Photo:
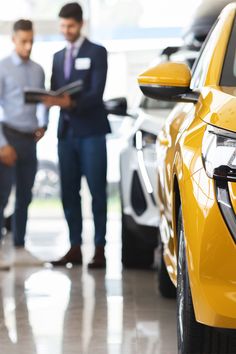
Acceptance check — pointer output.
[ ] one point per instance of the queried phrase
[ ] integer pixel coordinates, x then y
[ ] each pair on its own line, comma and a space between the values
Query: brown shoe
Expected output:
99, 260
73, 256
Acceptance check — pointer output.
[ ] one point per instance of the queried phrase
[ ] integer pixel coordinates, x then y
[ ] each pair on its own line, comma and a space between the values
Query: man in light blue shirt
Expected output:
21, 126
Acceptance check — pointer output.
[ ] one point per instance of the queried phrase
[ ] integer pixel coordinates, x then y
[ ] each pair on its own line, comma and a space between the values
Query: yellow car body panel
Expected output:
219, 107
211, 254
208, 240
210, 248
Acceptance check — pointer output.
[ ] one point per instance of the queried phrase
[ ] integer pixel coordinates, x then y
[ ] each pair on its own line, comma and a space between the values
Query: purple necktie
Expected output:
68, 62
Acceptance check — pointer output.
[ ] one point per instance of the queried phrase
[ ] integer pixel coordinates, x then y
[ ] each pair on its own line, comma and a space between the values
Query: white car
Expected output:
140, 216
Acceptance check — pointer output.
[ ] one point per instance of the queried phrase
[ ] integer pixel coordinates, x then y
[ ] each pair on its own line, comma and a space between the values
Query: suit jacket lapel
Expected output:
83, 49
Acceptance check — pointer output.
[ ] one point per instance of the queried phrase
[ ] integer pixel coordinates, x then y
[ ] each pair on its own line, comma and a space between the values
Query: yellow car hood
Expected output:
217, 106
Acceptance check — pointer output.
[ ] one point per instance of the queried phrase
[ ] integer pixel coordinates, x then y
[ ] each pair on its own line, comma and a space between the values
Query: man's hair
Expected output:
72, 10
23, 25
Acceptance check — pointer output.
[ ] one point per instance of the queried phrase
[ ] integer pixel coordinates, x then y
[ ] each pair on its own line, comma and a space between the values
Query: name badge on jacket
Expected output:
82, 63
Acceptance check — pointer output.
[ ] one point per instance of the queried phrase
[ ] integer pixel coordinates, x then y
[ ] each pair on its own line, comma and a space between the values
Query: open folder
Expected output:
32, 95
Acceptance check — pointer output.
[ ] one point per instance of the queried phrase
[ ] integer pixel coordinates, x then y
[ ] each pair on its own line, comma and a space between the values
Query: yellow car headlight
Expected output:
219, 153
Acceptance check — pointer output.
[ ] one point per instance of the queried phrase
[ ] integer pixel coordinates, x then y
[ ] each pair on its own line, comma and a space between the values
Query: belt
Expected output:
10, 130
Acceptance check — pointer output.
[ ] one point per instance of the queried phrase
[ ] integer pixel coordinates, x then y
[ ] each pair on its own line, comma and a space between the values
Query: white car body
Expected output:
140, 159
138, 183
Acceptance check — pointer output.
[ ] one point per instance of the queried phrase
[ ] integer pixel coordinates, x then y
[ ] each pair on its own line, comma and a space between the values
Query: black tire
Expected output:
193, 337
189, 332
166, 287
135, 252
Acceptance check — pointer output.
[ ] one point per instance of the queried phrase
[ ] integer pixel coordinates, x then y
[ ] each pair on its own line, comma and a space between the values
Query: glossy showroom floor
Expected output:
73, 311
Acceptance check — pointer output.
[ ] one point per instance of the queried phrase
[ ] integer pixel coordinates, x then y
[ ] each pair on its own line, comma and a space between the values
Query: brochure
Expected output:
32, 95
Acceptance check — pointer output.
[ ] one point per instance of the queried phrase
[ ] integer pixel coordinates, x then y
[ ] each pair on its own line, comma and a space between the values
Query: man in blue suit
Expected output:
82, 128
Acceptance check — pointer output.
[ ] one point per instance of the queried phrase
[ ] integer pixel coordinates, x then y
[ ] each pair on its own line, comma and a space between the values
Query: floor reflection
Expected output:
9, 306
89, 303
47, 295
68, 311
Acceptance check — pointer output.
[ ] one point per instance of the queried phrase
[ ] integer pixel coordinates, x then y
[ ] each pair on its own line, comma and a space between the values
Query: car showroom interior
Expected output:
117, 188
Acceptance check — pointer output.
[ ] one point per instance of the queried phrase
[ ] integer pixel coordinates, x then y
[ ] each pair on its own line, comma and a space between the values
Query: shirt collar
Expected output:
17, 60
77, 44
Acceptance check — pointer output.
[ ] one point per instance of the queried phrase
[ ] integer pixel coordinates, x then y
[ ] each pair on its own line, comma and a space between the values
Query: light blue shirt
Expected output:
15, 75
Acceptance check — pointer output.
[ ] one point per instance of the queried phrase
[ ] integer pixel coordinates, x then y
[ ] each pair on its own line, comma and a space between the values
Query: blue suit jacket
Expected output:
89, 116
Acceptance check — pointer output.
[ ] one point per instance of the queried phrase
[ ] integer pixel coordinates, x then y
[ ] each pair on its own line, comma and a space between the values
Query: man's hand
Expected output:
39, 133
63, 101
8, 155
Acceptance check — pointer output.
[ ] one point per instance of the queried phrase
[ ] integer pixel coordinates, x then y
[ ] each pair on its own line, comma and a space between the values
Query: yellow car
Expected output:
196, 153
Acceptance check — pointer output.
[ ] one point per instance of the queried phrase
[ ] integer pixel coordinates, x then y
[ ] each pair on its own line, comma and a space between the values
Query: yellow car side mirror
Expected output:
168, 81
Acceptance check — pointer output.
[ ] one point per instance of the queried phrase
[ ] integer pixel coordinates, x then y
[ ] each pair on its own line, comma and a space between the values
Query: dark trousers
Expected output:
77, 157
22, 175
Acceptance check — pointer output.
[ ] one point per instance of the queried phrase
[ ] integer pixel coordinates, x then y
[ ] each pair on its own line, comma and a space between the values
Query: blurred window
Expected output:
122, 19
201, 65
45, 10
228, 76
